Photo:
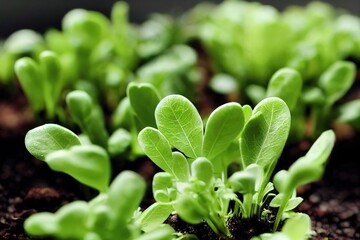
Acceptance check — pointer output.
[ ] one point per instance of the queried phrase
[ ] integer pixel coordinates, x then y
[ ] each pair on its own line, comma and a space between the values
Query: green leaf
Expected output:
256, 93
119, 141
203, 170
181, 167
30, 79
350, 113
181, 124
162, 232
157, 148
41, 224
286, 84
297, 227
224, 84
265, 134
154, 216
222, 127
143, 99
49, 138
70, 215
89, 164
321, 149
163, 187
80, 106
190, 209
247, 111
125, 194
248, 180
337, 80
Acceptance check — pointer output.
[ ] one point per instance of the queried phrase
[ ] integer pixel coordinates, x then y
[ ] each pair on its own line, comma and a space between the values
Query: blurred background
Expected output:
40, 15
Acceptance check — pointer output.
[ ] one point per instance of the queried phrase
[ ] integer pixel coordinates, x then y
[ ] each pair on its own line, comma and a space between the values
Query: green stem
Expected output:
247, 205
281, 210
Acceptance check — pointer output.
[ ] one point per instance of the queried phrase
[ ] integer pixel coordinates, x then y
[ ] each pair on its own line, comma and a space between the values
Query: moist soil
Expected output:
28, 186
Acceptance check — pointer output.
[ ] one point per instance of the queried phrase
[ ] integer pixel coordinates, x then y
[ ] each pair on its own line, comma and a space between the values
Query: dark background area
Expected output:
40, 14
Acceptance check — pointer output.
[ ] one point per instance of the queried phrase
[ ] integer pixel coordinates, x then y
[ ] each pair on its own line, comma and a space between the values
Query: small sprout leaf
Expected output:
125, 194
222, 127
49, 138
162, 232
203, 170
297, 227
29, 76
190, 209
181, 166
265, 134
337, 80
157, 148
247, 110
89, 164
80, 106
155, 215
179, 121
286, 84
321, 149
70, 215
41, 224
119, 141
143, 99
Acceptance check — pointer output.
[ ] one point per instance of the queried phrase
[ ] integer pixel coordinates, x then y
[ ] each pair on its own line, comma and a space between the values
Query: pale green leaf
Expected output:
337, 80
181, 124
265, 134
286, 84
143, 99
154, 216
157, 148
125, 195
49, 138
222, 127
89, 164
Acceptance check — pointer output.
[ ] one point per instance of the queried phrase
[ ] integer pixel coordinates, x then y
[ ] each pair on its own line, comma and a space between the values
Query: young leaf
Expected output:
119, 141
30, 79
203, 170
49, 138
70, 215
140, 93
265, 134
297, 227
89, 164
181, 167
162, 232
350, 113
125, 195
247, 111
190, 209
337, 80
80, 106
157, 148
179, 121
286, 84
154, 216
163, 187
41, 224
222, 127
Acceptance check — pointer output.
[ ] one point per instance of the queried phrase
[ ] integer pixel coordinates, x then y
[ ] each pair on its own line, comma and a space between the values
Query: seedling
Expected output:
113, 213
195, 159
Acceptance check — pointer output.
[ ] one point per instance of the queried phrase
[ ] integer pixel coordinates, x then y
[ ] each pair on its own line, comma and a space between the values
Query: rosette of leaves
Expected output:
195, 159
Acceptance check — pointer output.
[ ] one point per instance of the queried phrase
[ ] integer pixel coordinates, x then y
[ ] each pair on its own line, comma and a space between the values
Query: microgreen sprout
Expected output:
195, 159
113, 213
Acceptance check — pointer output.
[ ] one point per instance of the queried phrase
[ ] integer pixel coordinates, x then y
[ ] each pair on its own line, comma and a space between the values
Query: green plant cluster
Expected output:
114, 91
